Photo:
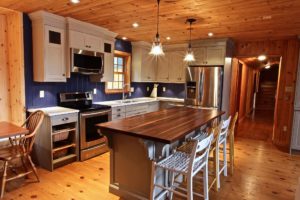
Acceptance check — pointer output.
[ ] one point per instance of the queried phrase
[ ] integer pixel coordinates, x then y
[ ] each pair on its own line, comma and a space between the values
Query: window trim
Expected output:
127, 80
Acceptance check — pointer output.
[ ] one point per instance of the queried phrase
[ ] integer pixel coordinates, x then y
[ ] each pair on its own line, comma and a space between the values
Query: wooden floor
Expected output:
258, 125
261, 172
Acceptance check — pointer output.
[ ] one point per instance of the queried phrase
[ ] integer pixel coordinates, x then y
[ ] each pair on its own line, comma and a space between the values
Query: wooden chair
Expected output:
186, 164
231, 141
219, 141
20, 148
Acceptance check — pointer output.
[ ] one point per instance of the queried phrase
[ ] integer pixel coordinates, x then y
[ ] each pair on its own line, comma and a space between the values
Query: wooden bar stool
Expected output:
186, 164
220, 141
21, 148
231, 141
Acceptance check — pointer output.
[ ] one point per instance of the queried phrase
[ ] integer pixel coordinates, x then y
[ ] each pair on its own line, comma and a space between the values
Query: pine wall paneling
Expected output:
14, 65
288, 49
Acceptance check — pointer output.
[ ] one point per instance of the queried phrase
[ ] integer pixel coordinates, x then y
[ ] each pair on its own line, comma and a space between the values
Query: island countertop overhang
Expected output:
165, 126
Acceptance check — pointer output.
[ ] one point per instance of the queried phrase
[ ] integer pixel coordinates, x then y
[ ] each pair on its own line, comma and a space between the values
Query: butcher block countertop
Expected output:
166, 126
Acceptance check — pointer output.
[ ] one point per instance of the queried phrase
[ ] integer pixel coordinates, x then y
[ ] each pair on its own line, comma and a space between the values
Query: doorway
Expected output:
257, 83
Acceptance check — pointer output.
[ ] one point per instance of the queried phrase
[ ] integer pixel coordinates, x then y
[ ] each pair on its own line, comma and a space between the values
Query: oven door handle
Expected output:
94, 114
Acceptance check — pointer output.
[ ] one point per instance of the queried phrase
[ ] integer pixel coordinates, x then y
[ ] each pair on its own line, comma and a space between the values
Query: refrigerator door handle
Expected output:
201, 87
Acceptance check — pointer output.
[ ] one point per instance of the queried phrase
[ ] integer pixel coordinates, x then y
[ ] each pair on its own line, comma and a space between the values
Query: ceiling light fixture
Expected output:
189, 56
124, 38
156, 48
262, 57
210, 34
75, 1
168, 38
135, 25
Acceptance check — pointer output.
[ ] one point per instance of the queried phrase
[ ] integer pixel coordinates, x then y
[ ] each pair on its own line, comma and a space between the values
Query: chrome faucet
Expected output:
123, 93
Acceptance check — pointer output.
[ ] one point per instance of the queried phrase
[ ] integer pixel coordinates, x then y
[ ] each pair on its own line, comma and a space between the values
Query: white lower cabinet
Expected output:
296, 131
125, 111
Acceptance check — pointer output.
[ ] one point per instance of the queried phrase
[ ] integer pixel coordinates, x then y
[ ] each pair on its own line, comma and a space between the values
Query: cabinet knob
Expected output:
65, 119
64, 74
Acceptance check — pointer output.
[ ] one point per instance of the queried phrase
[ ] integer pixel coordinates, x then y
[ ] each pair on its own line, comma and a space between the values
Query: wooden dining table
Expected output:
8, 129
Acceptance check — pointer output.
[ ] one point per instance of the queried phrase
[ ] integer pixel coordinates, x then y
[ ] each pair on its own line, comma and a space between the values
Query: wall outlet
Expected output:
164, 89
95, 91
42, 94
148, 89
132, 89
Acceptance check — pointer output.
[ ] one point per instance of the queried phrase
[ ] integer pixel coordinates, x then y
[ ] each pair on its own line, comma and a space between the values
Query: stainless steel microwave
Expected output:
87, 62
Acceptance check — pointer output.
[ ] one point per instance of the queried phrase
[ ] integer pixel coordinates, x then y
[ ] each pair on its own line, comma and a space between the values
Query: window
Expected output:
121, 73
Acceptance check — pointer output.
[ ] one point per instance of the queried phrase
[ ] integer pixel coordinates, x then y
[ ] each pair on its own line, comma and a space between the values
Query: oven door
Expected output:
89, 134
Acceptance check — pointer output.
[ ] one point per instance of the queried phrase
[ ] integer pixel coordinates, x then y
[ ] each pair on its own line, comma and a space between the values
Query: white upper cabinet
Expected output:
143, 65
215, 55
163, 68
177, 67
109, 46
210, 55
49, 47
84, 41
170, 67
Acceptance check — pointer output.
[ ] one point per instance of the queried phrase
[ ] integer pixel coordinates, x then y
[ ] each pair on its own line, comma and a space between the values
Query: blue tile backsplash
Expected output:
79, 82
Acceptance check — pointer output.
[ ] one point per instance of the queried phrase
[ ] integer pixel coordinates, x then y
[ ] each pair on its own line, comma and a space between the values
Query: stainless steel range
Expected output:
92, 142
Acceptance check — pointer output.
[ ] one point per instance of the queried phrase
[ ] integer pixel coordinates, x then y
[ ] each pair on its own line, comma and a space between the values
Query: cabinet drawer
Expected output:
118, 116
64, 119
117, 110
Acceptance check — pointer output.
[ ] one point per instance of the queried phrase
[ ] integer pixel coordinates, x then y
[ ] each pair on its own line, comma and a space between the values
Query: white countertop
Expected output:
56, 110
133, 101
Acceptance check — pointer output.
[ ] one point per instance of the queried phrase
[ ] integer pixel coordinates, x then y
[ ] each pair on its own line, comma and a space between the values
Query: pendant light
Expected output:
156, 48
189, 56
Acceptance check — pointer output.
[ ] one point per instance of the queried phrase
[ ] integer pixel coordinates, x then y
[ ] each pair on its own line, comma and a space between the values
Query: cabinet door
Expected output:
93, 43
148, 66
200, 56
163, 68
296, 131
55, 66
215, 55
76, 40
176, 67
108, 75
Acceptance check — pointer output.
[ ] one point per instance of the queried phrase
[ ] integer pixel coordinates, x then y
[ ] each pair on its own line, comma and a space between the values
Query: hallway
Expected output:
257, 126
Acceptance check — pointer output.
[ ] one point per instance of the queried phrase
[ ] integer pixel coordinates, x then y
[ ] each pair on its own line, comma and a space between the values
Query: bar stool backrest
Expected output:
224, 128
200, 153
233, 123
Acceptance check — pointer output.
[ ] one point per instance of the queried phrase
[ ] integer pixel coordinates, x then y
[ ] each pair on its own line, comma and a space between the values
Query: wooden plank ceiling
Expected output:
239, 19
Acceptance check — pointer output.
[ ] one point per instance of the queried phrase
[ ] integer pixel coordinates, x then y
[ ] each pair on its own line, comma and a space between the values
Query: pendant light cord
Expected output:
157, 34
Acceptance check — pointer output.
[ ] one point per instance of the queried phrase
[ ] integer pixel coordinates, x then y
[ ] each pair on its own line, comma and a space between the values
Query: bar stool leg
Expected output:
189, 187
153, 175
172, 176
231, 153
205, 182
225, 158
4, 178
217, 168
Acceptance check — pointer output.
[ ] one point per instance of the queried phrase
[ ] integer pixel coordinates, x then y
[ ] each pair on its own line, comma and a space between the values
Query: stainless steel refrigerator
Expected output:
204, 86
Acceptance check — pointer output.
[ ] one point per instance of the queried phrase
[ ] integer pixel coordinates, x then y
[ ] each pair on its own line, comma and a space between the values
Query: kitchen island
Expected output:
134, 142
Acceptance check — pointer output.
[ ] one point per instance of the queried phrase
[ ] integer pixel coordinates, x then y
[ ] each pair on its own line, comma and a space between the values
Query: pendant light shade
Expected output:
156, 48
189, 56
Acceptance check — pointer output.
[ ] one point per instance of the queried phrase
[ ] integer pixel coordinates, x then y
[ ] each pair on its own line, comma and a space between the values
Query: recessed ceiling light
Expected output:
75, 1
267, 66
135, 25
168, 38
210, 34
262, 57
124, 38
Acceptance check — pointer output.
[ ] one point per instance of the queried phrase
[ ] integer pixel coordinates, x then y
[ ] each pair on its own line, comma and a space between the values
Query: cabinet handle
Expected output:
65, 119
64, 74
118, 115
118, 109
